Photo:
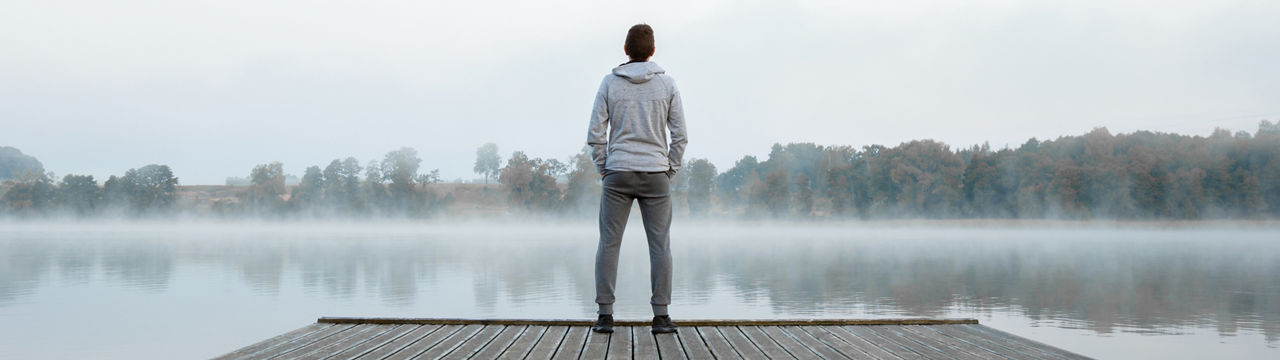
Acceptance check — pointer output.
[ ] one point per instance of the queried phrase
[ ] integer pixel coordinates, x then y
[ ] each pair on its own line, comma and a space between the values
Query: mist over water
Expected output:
172, 290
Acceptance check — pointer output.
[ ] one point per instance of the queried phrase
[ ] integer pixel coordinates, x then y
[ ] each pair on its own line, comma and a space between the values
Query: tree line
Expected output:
1097, 175
393, 186
1140, 175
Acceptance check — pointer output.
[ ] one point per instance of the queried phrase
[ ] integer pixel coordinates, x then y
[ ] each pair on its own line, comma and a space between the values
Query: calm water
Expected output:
199, 290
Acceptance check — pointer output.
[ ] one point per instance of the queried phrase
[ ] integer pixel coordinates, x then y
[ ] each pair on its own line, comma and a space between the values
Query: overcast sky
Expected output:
213, 88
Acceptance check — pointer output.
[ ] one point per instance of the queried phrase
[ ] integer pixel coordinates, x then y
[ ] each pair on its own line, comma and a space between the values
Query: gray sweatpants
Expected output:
653, 191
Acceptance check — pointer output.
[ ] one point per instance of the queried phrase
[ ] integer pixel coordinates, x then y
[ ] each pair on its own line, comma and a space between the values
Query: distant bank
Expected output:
1140, 176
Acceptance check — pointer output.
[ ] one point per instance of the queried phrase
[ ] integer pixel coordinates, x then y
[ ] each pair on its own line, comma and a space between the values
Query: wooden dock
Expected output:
389, 338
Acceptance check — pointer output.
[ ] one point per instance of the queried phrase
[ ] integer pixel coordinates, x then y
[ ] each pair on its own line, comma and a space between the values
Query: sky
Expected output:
213, 88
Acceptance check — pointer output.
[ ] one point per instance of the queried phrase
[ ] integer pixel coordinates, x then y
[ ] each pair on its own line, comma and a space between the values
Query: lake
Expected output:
196, 290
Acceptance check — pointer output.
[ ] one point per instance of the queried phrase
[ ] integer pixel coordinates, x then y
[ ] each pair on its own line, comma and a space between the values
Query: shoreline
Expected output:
553, 222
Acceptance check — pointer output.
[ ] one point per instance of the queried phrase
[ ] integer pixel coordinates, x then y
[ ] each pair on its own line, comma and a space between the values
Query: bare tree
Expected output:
487, 161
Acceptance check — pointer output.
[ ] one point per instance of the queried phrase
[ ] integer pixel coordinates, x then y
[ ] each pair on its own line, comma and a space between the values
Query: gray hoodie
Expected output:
634, 108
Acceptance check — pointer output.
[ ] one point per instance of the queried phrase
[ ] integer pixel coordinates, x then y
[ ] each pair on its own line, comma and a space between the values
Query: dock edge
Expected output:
692, 322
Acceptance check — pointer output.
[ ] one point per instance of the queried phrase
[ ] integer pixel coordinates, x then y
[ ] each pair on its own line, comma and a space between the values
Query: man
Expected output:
634, 108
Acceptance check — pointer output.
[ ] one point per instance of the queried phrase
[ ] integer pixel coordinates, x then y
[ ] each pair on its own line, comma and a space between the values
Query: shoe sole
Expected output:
603, 331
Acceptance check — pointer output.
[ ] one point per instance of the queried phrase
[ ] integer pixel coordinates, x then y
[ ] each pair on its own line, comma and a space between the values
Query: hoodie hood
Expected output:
638, 72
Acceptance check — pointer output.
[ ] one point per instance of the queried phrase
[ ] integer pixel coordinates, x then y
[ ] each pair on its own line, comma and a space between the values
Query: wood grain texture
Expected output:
766, 344
1046, 348
950, 346
740, 342
471, 346
498, 344
893, 334
335, 344
646, 345
596, 347
694, 347
386, 339
547, 345
377, 341
981, 342
436, 349
821, 342
620, 343
870, 349
873, 336
274, 341
720, 347
299, 342
571, 346
669, 347
795, 347
1018, 344
425, 333
520, 347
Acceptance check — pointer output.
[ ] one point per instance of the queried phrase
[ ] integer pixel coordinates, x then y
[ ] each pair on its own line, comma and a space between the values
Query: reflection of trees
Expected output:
22, 267
75, 264
138, 265
1096, 279
262, 270
1102, 283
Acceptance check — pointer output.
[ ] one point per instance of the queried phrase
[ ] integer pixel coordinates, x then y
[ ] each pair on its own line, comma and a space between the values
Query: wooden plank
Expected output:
766, 345
523, 343
894, 334
982, 342
1046, 348
872, 350
961, 341
740, 342
823, 343
715, 341
646, 346
377, 341
870, 334
597, 345
425, 333
298, 343
547, 345
669, 347
694, 347
1002, 345
932, 342
275, 341
702, 322
343, 338
1019, 344
475, 343
959, 349
791, 344
620, 343
499, 343
334, 344
436, 349
571, 346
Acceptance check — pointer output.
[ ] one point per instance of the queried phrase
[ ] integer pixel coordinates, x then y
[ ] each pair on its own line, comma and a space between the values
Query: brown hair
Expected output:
639, 45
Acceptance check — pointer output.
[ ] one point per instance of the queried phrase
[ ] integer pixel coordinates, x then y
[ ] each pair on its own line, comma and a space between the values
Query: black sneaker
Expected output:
662, 325
604, 324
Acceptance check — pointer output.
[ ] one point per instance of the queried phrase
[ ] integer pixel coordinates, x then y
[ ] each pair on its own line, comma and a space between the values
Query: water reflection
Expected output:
1098, 279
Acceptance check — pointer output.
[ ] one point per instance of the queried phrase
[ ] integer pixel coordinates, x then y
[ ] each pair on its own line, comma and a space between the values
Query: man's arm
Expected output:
598, 131
675, 123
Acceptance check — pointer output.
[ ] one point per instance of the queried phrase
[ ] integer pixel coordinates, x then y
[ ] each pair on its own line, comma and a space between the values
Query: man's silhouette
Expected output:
635, 107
